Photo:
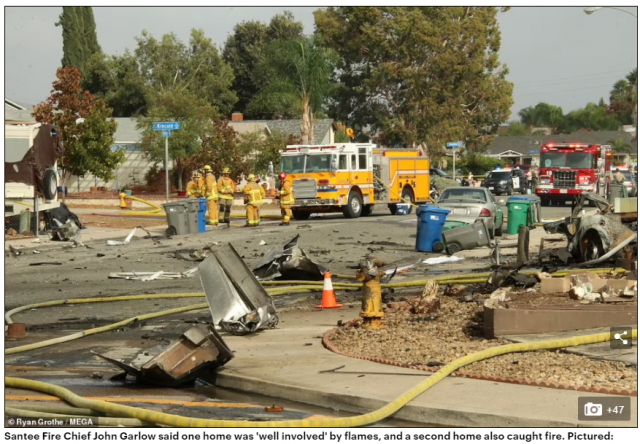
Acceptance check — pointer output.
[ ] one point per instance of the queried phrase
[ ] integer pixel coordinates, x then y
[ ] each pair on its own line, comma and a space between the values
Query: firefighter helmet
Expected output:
226, 170
282, 176
251, 177
207, 168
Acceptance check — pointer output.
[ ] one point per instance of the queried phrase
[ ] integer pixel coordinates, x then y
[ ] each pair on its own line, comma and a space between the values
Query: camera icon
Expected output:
591, 409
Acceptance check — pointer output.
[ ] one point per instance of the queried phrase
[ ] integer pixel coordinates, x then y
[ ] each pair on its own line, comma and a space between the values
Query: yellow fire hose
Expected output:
310, 286
122, 411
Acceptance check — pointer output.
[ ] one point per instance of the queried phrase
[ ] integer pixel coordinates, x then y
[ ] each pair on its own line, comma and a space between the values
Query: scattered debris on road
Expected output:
238, 303
289, 262
152, 276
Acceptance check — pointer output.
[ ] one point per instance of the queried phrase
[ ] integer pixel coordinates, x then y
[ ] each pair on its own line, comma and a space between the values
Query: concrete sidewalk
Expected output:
286, 363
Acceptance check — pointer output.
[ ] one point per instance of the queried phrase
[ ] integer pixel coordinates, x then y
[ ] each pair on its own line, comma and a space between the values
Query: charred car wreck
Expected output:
593, 239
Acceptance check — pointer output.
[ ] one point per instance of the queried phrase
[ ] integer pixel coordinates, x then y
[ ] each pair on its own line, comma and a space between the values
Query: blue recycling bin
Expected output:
202, 215
430, 223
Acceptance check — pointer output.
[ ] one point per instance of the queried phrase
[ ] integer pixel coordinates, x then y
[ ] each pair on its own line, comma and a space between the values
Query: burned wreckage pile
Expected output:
594, 239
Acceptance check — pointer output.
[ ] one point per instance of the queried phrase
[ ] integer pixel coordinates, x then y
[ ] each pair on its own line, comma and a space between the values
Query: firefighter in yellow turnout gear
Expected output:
225, 196
193, 188
253, 199
286, 198
210, 192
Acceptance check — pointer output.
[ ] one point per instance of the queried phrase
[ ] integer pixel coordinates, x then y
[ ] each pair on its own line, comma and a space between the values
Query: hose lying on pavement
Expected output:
354, 421
272, 292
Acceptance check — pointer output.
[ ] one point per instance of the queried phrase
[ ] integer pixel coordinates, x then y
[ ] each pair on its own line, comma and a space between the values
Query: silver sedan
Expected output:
469, 204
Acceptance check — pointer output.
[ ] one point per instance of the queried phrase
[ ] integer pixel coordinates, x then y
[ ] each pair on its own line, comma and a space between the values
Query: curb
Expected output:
429, 416
326, 341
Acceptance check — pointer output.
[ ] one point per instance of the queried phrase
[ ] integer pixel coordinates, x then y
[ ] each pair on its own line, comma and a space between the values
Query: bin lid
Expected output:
432, 209
527, 198
176, 203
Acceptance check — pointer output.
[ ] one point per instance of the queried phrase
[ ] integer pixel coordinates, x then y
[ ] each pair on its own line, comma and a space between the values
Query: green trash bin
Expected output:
520, 213
448, 225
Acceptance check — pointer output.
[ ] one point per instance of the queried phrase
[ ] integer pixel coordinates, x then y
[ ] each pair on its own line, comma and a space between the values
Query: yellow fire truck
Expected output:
352, 177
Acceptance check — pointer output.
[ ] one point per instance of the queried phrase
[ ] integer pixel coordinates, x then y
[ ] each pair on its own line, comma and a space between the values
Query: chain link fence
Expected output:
21, 222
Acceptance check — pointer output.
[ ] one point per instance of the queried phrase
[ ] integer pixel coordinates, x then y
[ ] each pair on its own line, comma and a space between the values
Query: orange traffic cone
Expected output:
328, 295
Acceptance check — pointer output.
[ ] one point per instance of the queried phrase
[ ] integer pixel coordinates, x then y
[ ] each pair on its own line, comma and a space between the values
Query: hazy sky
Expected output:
557, 55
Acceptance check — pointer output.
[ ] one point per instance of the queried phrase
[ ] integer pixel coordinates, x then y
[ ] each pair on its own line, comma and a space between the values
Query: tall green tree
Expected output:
299, 73
79, 38
196, 117
516, 129
86, 127
592, 118
623, 99
133, 82
419, 74
118, 81
542, 115
244, 51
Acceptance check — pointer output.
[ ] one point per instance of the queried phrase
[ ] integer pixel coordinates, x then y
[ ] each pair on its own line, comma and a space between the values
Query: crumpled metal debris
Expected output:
593, 238
67, 232
195, 255
238, 303
200, 349
152, 276
289, 262
504, 276
114, 243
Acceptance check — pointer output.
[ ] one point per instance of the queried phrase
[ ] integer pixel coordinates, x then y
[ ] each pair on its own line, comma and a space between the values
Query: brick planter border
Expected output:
326, 341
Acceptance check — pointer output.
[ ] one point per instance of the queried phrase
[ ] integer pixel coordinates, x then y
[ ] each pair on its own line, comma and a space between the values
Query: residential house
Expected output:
324, 129
133, 170
17, 114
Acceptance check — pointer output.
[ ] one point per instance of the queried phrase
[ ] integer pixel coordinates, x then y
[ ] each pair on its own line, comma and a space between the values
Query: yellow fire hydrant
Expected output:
369, 274
123, 202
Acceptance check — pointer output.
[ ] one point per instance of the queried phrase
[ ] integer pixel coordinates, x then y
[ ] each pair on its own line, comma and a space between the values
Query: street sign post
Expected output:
453, 146
166, 128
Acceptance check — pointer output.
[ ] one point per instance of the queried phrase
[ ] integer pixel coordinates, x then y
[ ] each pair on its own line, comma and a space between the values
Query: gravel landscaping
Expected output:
456, 331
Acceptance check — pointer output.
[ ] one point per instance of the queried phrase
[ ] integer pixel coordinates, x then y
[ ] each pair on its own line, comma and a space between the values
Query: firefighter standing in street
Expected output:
225, 196
286, 198
263, 196
253, 200
193, 188
210, 192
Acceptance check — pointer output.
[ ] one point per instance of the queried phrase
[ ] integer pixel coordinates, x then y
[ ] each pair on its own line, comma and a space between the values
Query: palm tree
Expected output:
299, 75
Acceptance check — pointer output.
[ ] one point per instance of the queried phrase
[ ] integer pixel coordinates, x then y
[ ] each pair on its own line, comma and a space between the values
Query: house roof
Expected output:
531, 144
126, 132
13, 115
321, 127
249, 126
16, 105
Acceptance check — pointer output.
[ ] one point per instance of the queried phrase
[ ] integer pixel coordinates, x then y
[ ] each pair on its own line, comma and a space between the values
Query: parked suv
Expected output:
506, 181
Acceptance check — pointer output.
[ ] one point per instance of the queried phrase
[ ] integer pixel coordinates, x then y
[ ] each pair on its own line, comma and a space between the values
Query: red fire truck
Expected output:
568, 169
